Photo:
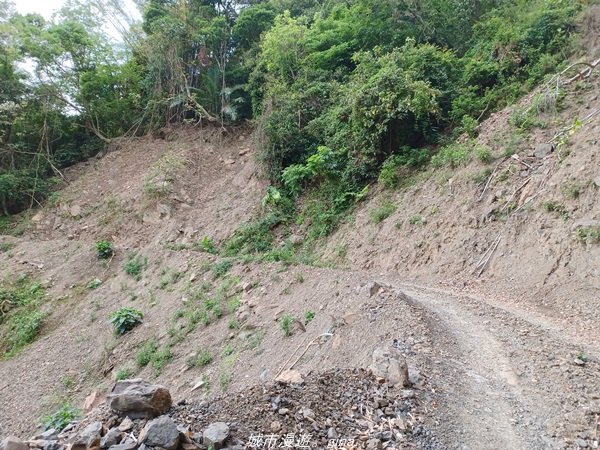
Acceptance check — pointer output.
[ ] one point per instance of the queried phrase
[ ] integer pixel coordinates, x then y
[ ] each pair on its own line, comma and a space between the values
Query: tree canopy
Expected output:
335, 87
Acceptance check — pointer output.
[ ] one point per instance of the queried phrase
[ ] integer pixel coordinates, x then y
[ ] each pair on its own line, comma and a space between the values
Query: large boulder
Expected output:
139, 399
161, 432
215, 435
389, 363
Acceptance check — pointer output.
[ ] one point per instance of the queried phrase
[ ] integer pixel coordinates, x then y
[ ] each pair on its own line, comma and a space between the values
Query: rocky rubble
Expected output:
350, 408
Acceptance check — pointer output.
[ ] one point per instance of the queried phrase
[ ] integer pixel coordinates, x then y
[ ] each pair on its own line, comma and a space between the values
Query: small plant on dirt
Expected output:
62, 417
233, 324
385, 209
94, 283
228, 350
146, 352
415, 219
286, 323
151, 353
135, 265
104, 249
571, 190
554, 207
6, 246
483, 154
224, 380
589, 234
255, 340
299, 278
206, 244
168, 278
482, 176
124, 374
308, 316
204, 358
125, 319
160, 360
220, 268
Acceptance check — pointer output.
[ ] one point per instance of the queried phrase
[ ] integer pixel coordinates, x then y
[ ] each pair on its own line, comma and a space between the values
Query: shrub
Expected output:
62, 417
104, 249
483, 154
204, 358
125, 319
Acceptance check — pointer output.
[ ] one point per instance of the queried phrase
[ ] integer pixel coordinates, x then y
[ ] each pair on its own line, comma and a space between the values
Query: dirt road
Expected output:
508, 379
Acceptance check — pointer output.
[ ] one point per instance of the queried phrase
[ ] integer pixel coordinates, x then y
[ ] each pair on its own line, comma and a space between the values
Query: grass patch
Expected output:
21, 318
589, 234
151, 353
415, 219
60, 418
385, 209
6, 246
220, 268
286, 323
124, 373
135, 265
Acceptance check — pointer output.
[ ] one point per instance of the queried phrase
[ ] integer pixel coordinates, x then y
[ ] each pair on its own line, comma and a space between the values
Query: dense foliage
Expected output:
339, 90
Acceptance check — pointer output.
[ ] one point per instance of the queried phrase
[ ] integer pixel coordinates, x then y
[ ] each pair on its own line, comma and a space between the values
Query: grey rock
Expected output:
48, 435
127, 446
597, 182
13, 443
332, 434
126, 425
139, 399
373, 288
89, 437
389, 363
373, 444
542, 150
113, 437
53, 445
160, 432
581, 443
215, 434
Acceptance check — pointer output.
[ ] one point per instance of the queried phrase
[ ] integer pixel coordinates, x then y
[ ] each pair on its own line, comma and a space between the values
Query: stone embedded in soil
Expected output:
92, 401
215, 434
161, 432
389, 363
290, 376
139, 399
13, 443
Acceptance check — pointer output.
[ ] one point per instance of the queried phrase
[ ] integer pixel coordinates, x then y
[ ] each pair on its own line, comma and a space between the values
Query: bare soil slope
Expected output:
508, 359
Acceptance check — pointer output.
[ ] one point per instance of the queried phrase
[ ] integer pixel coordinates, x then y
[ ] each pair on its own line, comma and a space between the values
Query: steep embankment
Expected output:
532, 203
